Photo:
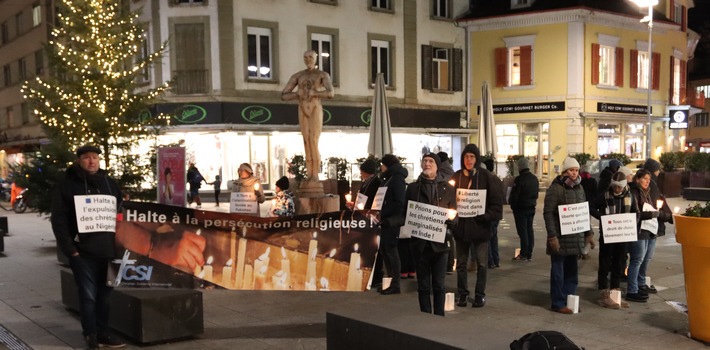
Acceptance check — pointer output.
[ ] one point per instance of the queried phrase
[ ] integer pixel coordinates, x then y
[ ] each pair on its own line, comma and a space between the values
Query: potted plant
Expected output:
669, 179
698, 164
582, 158
623, 158
297, 170
692, 234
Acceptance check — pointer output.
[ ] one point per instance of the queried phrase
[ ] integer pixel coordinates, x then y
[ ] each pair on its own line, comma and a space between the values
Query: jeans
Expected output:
390, 256
431, 273
462, 251
640, 253
524, 226
493, 256
90, 278
563, 279
611, 257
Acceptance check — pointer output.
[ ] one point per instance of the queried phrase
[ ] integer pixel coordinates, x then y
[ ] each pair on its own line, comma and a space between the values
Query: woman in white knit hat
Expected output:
563, 250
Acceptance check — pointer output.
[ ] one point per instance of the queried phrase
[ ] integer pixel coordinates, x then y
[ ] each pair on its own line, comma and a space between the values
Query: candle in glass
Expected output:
659, 204
348, 197
312, 251
227, 274
241, 256
256, 187
207, 271
286, 268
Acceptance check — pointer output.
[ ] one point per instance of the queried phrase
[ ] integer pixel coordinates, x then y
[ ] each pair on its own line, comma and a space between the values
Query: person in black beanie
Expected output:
446, 170
368, 185
392, 218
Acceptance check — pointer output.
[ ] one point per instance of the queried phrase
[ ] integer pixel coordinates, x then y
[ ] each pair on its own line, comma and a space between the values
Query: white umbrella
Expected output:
380, 130
487, 123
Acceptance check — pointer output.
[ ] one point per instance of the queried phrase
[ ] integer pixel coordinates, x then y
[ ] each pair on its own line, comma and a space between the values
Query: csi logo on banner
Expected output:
128, 271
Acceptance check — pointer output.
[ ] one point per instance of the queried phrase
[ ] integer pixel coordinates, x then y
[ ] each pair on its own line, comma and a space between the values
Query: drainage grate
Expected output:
10, 341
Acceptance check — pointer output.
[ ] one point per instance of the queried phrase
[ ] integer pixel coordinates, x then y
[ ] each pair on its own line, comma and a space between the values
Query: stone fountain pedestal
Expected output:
311, 199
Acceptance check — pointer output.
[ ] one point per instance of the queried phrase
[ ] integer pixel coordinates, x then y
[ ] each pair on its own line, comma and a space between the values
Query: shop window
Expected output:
607, 65
39, 62
701, 119
442, 68
518, 4
323, 45
190, 72
609, 139
381, 5
259, 53
678, 81
36, 15
639, 65
441, 8
381, 61
634, 140
514, 63
7, 75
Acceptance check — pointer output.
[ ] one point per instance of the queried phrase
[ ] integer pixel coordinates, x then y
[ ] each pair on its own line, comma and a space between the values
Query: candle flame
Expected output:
332, 253
209, 260
356, 246
452, 182
361, 206
198, 232
451, 214
659, 203
283, 252
265, 256
229, 263
256, 187
324, 282
676, 210
315, 235
348, 197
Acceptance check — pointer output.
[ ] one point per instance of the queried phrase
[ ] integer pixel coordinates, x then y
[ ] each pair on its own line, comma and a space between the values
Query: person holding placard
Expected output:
606, 207
370, 182
479, 203
565, 244
283, 205
431, 256
605, 175
84, 210
523, 199
392, 217
248, 183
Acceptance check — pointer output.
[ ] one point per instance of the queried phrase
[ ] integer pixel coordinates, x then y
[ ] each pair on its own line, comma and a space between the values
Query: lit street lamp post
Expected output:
649, 20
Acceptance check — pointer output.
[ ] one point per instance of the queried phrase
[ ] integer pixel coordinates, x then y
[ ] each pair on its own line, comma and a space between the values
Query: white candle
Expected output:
227, 274
312, 251
207, 270
248, 273
198, 268
278, 280
286, 268
233, 246
324, 284
354, 272
241, 257
449, 302
328, 265
348, 197
311, 285
261, 263
260, 278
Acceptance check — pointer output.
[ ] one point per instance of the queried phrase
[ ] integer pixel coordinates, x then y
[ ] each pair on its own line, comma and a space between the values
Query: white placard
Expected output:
650, 225
470, 203
573, 303
243, 203
379, 198
425, 221
95, 213
574, 218
360, 201
618, 228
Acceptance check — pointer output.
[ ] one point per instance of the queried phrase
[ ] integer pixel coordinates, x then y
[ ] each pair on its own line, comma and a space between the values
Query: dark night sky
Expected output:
699, 21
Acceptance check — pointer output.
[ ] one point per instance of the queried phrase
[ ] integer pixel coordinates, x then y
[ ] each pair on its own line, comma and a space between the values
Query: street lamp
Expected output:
648, 19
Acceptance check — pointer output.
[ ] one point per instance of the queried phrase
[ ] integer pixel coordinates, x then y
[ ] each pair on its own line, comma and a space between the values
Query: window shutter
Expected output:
670, 86
683, 19
671, 13
426, 66
633, 69
596, 58
526, 65
501, 66
656, 71
683, 81
457, 70
619, 69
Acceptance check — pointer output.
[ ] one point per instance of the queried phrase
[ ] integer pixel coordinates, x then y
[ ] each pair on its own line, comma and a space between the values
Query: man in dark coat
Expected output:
564, 249
431, 257
605, 176
475, 231
89, 247
392, 217
523, 199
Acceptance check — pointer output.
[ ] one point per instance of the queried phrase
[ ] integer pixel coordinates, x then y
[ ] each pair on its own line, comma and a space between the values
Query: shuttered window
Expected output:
442, 68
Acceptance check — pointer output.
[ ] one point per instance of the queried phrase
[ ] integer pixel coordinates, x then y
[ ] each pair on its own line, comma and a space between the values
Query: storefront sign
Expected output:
425, 221
574, 218
620, 108
619, 228
557, 106
470, 203
678, 119
256, 114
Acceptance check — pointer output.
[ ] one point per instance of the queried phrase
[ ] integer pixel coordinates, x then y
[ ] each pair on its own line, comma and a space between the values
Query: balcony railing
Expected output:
190, 81
695, 99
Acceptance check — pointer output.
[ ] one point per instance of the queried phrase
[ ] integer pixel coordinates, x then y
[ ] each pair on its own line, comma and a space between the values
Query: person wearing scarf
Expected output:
563, 250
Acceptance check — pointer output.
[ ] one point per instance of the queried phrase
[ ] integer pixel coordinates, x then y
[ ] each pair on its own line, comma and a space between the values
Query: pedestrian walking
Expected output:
523, 200
195, 179
217, 185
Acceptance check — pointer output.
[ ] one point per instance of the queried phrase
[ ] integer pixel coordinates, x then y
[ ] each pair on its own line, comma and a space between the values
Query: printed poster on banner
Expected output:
243, 203
326, 252
171, 176
574, 218
425, 221
470, 203
379, 198
650, 225
360, 201
619, 228
95, 213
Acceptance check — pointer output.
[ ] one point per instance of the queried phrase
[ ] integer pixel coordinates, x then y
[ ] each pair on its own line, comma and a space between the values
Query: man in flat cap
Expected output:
83, 220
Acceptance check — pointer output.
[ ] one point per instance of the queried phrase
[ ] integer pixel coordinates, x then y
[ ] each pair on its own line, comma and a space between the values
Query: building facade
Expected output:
572, 78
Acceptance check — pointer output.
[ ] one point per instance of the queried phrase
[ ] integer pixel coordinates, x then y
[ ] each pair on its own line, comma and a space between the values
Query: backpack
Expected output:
544, 340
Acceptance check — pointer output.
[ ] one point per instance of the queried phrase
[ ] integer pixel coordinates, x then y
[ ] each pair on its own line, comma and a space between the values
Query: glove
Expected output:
590, 241
554, 244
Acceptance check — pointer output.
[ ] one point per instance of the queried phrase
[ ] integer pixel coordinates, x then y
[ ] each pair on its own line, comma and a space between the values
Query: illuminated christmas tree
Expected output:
97, 57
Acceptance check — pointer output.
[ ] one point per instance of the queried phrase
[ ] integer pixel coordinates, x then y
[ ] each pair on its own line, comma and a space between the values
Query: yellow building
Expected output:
571, 78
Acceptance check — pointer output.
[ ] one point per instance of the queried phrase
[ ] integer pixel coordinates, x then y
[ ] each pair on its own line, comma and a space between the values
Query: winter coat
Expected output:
446, 170
604, 180
247, 185
64, 221
434, 192
526, 188
394, 204
560, 194
478, 229
369, 188
664, 214
283, 205
194, 178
